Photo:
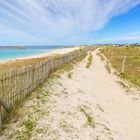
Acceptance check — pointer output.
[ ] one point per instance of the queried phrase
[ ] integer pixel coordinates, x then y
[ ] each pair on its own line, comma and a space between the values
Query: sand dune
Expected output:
90, 105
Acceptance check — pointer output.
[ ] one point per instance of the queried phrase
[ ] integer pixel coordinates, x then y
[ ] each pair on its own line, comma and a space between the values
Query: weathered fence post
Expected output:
52, 65
17, 83
123, 64
0, 117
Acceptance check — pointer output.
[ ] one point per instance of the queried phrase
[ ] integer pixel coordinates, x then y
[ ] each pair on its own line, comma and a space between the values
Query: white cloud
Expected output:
55, 19
123, 38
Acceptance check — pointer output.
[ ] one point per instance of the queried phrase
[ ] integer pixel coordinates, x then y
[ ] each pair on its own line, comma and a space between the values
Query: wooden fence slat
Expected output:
15, 84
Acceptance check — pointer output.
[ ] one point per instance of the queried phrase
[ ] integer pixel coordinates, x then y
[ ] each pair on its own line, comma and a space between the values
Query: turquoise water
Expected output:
11, 53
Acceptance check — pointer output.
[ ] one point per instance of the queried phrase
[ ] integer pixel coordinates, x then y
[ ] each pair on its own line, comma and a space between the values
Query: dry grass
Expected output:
132, 64
90, 59
70, 75
20, 63
90, 120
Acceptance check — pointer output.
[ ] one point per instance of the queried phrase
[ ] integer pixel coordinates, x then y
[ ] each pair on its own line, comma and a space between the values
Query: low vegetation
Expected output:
70, 75
90, 58
20, 63
79, 59
131, 70
25, 132
90, 120
108, 67
29, 124
68, 67
25, 62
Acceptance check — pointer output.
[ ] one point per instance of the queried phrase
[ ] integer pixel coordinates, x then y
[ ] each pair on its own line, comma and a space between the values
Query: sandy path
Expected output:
88, 106
122, 112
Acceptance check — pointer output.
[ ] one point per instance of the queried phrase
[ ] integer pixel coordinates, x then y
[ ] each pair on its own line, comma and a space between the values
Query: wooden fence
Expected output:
15, 84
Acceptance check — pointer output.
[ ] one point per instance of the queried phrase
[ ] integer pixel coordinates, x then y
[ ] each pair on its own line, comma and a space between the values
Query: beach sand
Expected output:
45, 54
33, 59
89, 105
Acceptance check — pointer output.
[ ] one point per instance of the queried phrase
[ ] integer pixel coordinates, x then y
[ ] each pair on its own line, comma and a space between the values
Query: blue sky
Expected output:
69, 22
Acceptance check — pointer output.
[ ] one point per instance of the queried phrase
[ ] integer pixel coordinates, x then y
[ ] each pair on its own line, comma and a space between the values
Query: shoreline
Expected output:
40, 55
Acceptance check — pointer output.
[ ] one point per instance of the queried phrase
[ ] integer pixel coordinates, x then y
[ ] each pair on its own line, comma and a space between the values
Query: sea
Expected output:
7, 53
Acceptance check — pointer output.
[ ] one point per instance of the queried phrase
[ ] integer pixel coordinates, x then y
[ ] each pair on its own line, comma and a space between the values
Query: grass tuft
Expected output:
70, 75
90, 119
26, 131
90, 58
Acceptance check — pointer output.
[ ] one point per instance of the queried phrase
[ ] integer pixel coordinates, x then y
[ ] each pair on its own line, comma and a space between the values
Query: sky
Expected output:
69, 22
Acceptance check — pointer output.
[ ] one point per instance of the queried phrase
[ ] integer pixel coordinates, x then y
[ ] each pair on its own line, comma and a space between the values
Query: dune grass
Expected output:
70, 75
90, 119
132, 64
90, 59
21, 62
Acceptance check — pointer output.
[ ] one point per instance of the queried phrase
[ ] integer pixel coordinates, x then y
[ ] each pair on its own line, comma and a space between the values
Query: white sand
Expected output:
45, 54
59, 116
